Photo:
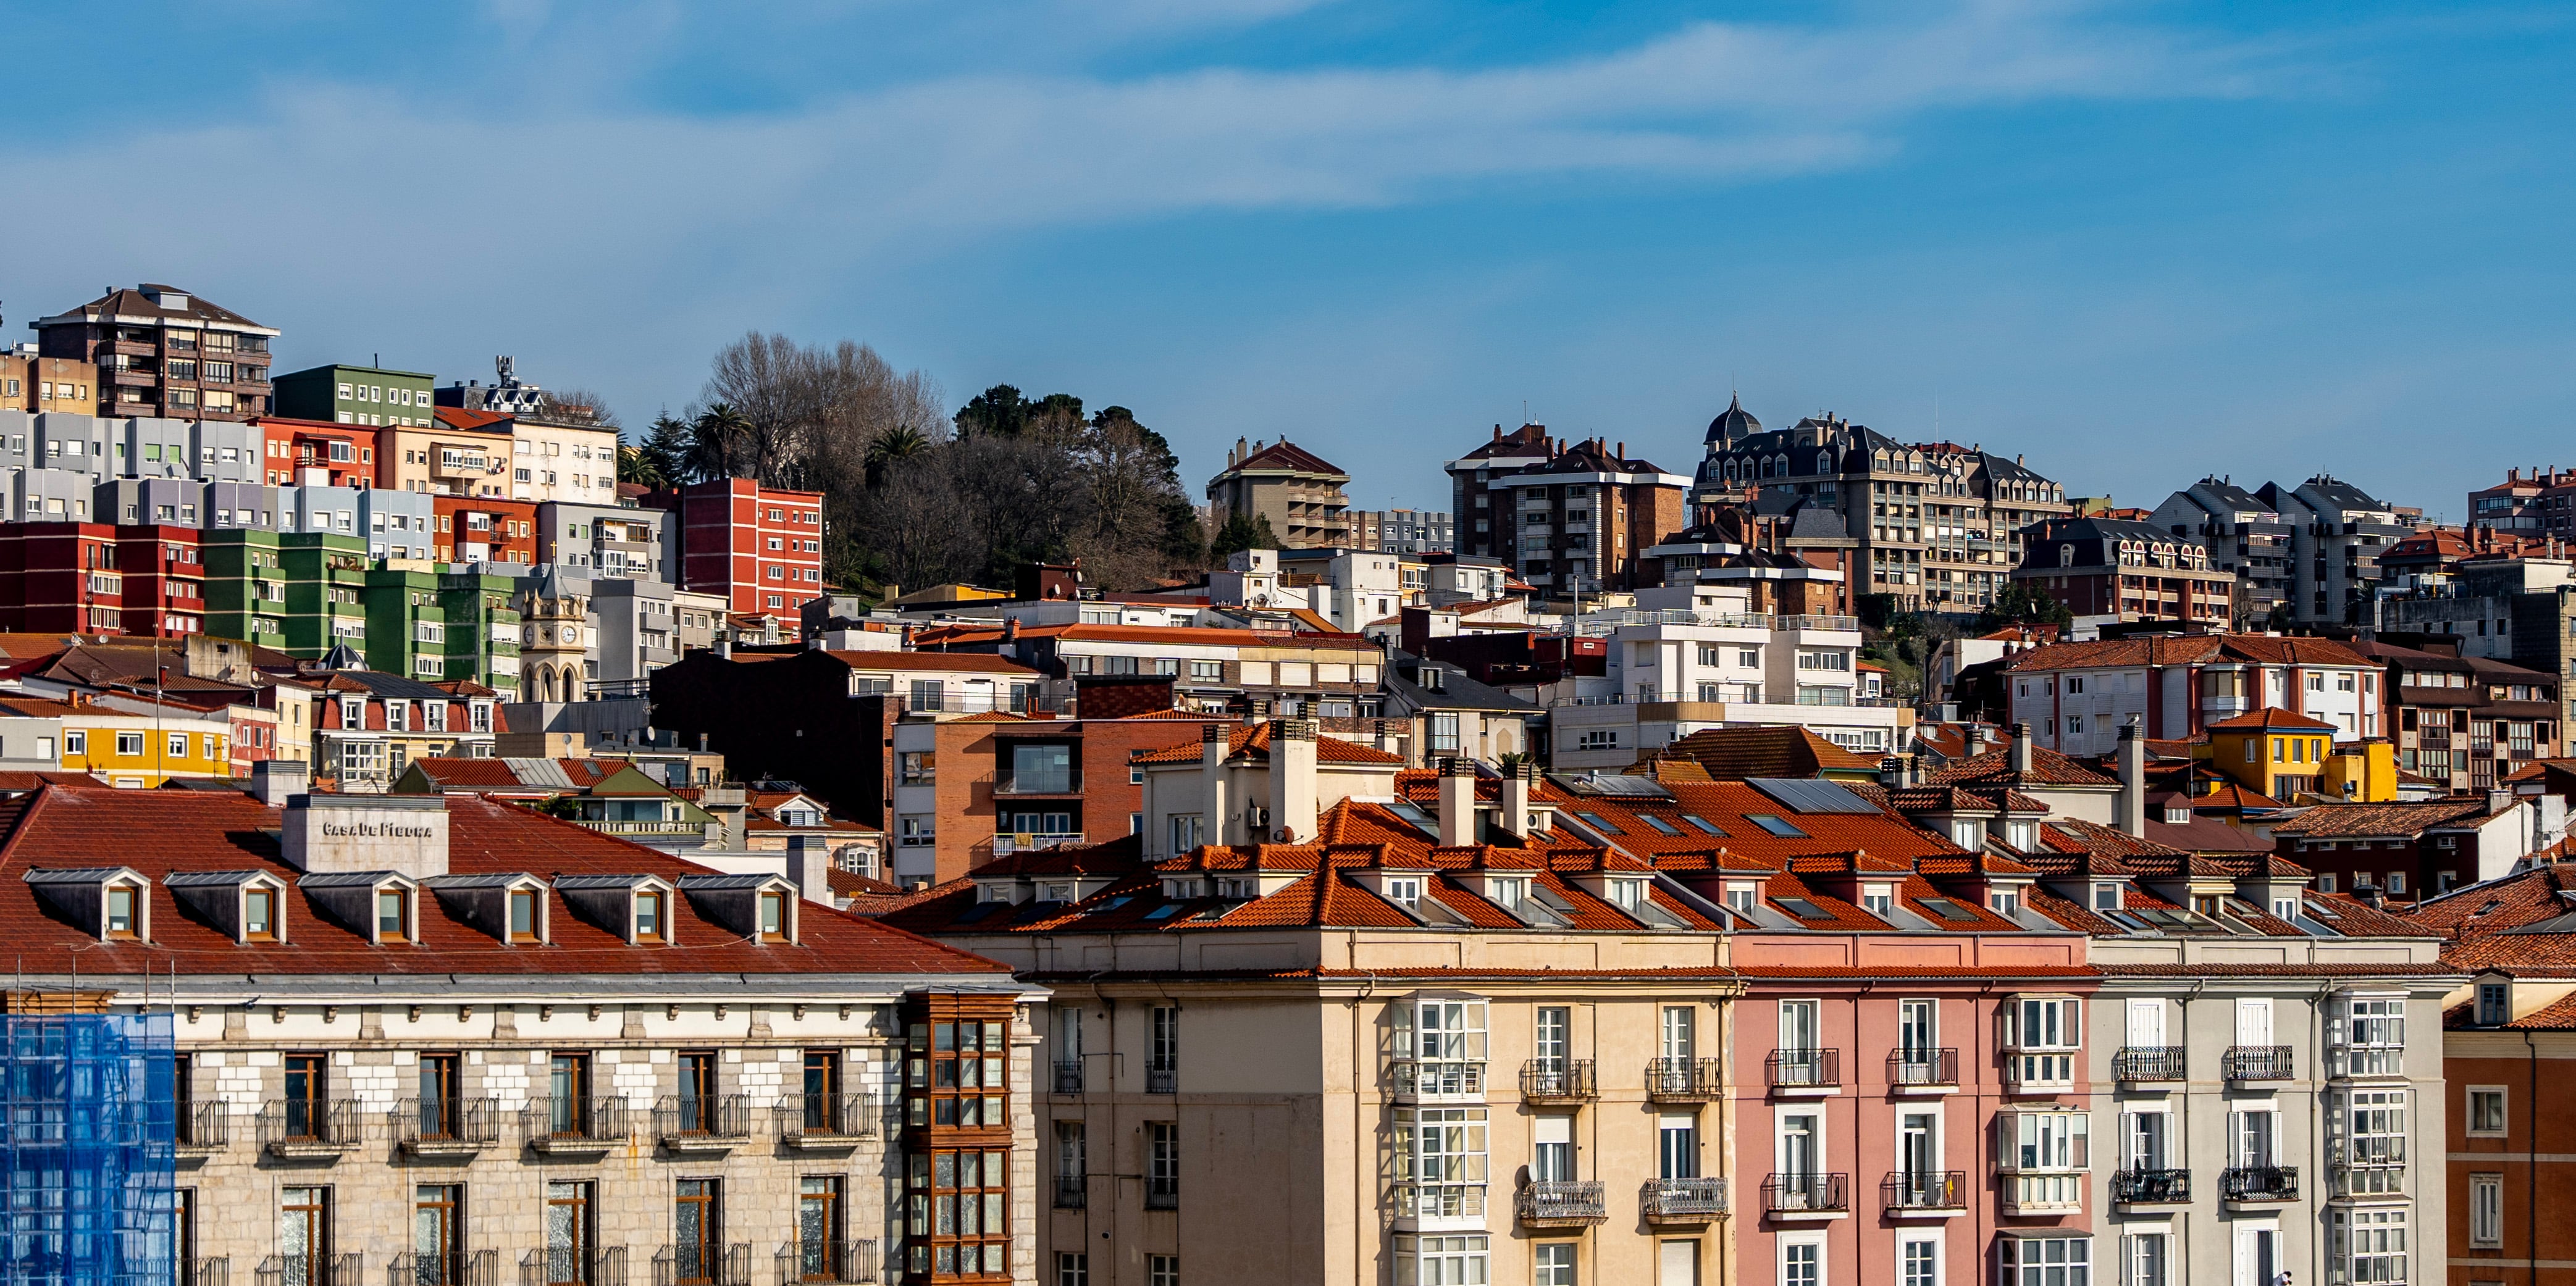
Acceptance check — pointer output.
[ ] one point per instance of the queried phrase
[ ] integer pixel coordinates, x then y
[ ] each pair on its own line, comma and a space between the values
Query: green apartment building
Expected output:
482, 630
356, 395
326, 590
436, 625
245, 586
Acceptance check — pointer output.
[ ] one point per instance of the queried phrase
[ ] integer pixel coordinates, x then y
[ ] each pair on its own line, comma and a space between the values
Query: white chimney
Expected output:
2133, 781
1457, 802
2020, 754
1292, 780
1516, 798
1215, 821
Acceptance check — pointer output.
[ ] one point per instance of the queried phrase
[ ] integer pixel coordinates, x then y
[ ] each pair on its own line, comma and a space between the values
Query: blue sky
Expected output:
2133, 241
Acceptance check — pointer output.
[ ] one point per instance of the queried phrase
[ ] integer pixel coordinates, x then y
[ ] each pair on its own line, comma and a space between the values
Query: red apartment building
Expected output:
91, 578
346, 453
760, 547
485, 529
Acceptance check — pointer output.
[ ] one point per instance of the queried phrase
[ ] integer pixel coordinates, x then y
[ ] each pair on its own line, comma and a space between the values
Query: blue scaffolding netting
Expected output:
88, 1139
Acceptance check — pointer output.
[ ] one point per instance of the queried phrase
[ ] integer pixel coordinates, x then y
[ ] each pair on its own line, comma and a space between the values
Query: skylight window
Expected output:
1660, 824
1802, 908
1774, 825
1596, 822
1164, 912
1947, 909
1703, 824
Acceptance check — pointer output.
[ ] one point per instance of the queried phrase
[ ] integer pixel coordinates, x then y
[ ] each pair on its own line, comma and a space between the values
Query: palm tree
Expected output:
640, 467
892, 447
717, 442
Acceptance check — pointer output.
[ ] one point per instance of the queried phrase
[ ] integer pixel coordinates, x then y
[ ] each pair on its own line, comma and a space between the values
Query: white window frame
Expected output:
2469, 1111
2486, 1212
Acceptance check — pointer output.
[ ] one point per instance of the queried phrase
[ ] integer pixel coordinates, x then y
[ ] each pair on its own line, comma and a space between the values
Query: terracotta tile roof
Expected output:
2199, 649
2333, 821
2271, 717
63, 827
459, 418
1734, 754
969, 662
1252, 743
1994, 767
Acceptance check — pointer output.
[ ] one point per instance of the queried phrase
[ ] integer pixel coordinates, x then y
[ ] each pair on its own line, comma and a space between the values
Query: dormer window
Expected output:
2005, 902
1059, 893
1878, 899
773, 917
523, 915
1627, 894
2495, 1003
650, 925
393, 915
259, 915
1740, 898
1509, 894
2021, 833
122, 915
1404, 890
353, 712
2106, 897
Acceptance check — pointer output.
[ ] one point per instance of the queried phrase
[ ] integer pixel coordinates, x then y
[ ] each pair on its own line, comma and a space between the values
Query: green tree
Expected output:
2022, 603
665, 451
639, 469
1242, 531
892, 448
719, 444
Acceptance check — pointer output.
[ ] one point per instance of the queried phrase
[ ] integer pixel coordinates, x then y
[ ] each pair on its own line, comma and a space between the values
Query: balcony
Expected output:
1558, 1081
1684, 1080
2361, 1062
2038, 1071
1162, 1192
300, 1129
1166, 1079
1440, 1205
688, 1123
1039, 783
2371, 1166
455, 1268
833, 1260
1800, 1072
575, 1126
1009, 842
2142, 1064
1072, 1192
1068, 1076
1682, 1201
1824, 624
1924, 1194
216, 1270
826, 1122
2243, 1063
703, 1265
1411, 1081
592, 1266
447, 1127
2259, 1184
313, 1270
1923, 1071
204, 1128
1806, 1196
1561, 1203
2150, 1187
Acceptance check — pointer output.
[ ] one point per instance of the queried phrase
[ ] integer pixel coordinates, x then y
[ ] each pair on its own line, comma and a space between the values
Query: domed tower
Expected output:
555, 636
1733, 425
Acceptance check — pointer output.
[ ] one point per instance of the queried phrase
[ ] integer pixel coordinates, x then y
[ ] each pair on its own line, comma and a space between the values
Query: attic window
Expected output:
1703, 824
1739, 898
649, 921
1802, 908
393, 915
2495, 1003
2005, 901
1164, 912
1776, 826
1947, 909
1878, 899
259, 915
1627, 894
122, 900
1660, 824
773, 917
2106, 897
1596, 822
1511, 893
1404, 890
523, 915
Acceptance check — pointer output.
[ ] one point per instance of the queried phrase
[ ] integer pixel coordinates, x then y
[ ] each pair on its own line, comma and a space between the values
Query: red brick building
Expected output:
345, 453
2111, 567
760, 547
484, 529
91, 578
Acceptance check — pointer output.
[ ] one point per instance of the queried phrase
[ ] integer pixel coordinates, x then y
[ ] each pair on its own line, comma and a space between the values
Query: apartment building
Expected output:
317, 453
2077, 695
2506, 1031
1938, 524
967, 790
481, 529
37, 384
452, 1039
1299, 492
2241, 535
1419, 1057
367, 395
1581, 521
1212, 670
761, 548
2337, 533
449, 451
1403, 531
1789, 558
2465, 722
2503, 606
2112, 571
2414, 850
1697, 657
93, 578
161, 351
1479, 531
129, 742
369, 726
605, 539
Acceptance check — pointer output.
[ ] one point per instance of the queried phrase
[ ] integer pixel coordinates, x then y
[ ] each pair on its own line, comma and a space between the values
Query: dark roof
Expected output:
134, 302
1457, 690
1284, 454
1733, 422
